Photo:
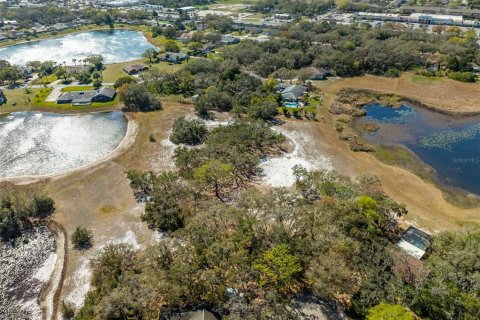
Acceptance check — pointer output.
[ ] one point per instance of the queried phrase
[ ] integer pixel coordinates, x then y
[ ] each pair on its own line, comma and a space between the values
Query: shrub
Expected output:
385, 311
136, 97
97, 84
152, 138
189, 132
68, 310
124, 80
82, 238
393, 73
462, 76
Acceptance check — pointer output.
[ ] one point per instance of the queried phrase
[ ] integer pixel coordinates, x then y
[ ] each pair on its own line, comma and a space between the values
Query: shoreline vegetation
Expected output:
396, 155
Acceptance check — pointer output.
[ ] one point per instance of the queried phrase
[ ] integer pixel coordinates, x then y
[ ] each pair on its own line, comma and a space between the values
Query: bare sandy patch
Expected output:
278, 171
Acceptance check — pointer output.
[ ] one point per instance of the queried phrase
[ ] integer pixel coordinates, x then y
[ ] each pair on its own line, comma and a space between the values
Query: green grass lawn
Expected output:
426, 79
45, 80
18, 99
167, 67
38, 100
77, 88
114, 71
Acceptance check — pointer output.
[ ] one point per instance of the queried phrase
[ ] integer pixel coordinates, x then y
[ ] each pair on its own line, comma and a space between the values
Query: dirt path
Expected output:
49, 301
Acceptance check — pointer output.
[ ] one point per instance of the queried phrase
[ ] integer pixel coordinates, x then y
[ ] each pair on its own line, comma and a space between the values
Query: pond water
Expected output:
115, 46
33, 143
448, 144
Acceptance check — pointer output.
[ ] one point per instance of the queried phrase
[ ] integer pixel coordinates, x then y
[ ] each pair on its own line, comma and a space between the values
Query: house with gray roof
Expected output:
229, 40
78, 98
292, 93
79, 68
175, 57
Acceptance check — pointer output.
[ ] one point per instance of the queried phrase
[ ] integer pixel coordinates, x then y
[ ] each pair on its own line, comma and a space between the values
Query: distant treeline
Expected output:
357, 49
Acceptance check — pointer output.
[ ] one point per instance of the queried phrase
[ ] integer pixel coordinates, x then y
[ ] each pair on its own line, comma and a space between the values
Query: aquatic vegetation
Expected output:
388, 114
445, 139
450, 146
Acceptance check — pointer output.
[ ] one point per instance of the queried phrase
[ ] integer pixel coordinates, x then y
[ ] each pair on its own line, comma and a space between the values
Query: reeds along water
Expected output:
450, 145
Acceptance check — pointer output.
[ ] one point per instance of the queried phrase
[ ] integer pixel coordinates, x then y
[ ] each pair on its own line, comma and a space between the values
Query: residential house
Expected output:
3, 99
320, 74
87, 97
187, 9
185, 37
12, 34
291, 93
207, 48
79, 68
415, 242
134, 69
175, 57
60, 26
282, 16
229, 40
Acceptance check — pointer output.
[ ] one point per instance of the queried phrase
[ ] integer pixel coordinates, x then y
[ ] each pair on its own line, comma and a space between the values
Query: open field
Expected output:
114, 71
442, 94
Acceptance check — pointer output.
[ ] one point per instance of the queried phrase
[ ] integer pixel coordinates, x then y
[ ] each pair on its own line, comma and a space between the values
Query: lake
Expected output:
115, 46
450, 145
34, 143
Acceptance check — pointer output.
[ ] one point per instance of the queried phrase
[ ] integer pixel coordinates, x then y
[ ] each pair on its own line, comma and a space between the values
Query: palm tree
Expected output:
74, 61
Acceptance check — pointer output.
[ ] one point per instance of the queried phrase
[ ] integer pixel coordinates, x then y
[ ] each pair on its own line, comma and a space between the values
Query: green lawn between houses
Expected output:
114, 71
39, 100
77, 88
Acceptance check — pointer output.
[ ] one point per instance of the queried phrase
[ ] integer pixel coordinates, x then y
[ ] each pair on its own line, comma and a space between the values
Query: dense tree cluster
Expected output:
298, 7
245, 253
136, 97
220, 86
188, 131
20, 212
51, 14
355, 50
180, 3
247, 258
